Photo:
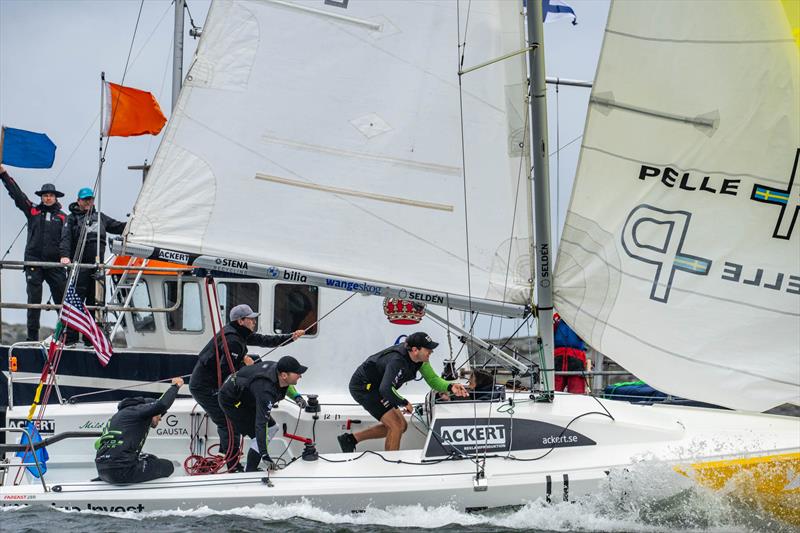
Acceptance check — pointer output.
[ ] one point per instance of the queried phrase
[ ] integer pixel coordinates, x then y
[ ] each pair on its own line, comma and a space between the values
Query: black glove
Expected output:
267, 461
300, 401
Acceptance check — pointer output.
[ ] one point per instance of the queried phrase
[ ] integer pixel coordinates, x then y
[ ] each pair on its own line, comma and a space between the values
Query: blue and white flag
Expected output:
553, 10
26, 149
27, 455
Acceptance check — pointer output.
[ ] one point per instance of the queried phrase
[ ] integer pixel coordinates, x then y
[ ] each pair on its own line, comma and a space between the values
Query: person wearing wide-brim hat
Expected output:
45, 223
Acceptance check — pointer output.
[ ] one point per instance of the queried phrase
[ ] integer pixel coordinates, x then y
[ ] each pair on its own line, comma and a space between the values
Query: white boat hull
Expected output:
667, 439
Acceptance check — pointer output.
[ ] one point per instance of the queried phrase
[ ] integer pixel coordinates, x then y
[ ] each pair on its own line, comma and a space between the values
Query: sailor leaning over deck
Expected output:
248, 396
212, 368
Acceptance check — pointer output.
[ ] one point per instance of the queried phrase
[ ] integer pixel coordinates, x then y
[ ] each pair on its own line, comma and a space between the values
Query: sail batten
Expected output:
680, 256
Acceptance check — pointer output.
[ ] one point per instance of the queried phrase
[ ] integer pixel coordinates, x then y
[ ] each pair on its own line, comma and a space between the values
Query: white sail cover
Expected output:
326, 135
680, 257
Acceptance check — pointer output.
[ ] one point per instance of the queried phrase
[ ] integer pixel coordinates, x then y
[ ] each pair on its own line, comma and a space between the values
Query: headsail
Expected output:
680, 257
326, 136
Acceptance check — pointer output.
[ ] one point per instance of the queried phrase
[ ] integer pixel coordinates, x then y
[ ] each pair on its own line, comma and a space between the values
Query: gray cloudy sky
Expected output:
51, 56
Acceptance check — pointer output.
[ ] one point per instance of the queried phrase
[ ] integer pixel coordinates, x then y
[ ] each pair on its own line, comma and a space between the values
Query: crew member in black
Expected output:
374, 385
248, 396
206, 376
45, 222
82, 214
119, 459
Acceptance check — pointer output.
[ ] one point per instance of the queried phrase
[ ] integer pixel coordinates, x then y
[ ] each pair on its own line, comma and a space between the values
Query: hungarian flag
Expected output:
129, 112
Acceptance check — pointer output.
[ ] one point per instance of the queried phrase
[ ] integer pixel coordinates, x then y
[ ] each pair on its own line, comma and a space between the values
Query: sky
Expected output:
53, 51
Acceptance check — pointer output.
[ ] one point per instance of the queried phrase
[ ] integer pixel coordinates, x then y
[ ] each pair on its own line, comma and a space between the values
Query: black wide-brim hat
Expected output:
49, 188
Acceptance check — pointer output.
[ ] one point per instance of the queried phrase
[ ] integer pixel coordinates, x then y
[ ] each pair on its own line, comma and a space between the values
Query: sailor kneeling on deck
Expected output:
374, 385
248, 396
119, 459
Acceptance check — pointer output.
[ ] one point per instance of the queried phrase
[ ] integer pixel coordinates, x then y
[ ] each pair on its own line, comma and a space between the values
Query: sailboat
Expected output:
383, 148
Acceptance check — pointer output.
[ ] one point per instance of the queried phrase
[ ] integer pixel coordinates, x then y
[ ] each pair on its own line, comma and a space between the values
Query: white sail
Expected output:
326, 135
680, 256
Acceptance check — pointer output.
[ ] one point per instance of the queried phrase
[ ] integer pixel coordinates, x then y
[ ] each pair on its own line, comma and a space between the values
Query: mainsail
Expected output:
327, 136
679, 257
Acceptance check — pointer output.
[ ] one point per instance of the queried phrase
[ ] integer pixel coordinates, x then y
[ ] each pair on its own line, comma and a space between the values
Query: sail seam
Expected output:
442, 169
721, 172
698, 41
357, 194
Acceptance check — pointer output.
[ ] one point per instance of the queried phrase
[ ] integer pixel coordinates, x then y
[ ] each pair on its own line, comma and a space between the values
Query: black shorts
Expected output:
369, 399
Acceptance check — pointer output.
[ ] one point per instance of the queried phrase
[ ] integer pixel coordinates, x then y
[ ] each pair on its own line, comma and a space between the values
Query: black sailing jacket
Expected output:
124, 434
45, 223
70, 236
237, 337
256, 387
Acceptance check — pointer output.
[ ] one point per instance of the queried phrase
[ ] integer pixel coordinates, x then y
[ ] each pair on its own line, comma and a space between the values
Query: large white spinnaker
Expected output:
680, 257
327, 136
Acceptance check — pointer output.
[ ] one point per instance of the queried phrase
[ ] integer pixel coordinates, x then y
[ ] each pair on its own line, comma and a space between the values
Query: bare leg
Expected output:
377, 431
395, 425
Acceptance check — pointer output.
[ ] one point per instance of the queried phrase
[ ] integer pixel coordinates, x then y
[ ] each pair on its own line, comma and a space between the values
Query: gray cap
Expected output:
242, 311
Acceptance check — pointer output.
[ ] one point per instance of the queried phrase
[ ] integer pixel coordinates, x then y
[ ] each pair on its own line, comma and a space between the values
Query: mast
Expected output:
177, 52
541, 191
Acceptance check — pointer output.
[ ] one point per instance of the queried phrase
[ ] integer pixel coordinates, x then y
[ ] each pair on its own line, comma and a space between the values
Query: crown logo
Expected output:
403, 312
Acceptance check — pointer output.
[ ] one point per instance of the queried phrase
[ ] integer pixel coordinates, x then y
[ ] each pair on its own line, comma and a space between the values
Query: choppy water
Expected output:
637, 500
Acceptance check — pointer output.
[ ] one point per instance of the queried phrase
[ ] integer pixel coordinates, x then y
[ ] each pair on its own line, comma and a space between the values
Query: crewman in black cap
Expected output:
119, 456
212, 368
375, 383
45, 223
248, 396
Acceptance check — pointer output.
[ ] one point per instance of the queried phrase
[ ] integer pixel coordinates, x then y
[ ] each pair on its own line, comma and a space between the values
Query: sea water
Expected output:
647, 497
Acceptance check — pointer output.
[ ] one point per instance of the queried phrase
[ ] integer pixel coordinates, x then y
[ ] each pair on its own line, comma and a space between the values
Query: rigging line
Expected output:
25, 225
558, 167
287, 341
191, 20
559, 148
147, 40
514, 216
564, 430
122, 82
160, 93
464, 165
83, 137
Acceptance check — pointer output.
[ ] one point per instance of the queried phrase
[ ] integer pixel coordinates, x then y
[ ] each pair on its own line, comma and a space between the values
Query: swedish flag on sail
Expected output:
770, 195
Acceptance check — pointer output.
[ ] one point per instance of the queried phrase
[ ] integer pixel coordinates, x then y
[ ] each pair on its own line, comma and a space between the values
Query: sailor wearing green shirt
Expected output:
375, 386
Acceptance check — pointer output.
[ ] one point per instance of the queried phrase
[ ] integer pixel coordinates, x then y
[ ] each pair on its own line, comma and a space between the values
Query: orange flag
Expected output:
130, 112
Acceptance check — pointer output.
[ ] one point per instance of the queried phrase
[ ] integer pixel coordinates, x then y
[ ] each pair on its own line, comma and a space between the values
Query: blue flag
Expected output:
41, 453
27, 149
557, 9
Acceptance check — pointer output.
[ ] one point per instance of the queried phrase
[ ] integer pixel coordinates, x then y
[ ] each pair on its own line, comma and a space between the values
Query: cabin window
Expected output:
296, 308
188, 316
142, 320
232, 294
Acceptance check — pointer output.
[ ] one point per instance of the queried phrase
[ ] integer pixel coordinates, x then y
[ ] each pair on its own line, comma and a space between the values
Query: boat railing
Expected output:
13, 364
119, 309
6, 465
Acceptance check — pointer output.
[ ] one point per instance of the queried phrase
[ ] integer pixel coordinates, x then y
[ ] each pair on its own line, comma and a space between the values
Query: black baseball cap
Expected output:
287, 363
421, 339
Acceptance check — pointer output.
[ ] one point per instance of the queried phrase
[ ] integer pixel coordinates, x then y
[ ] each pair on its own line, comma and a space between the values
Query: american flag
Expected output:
75, 315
